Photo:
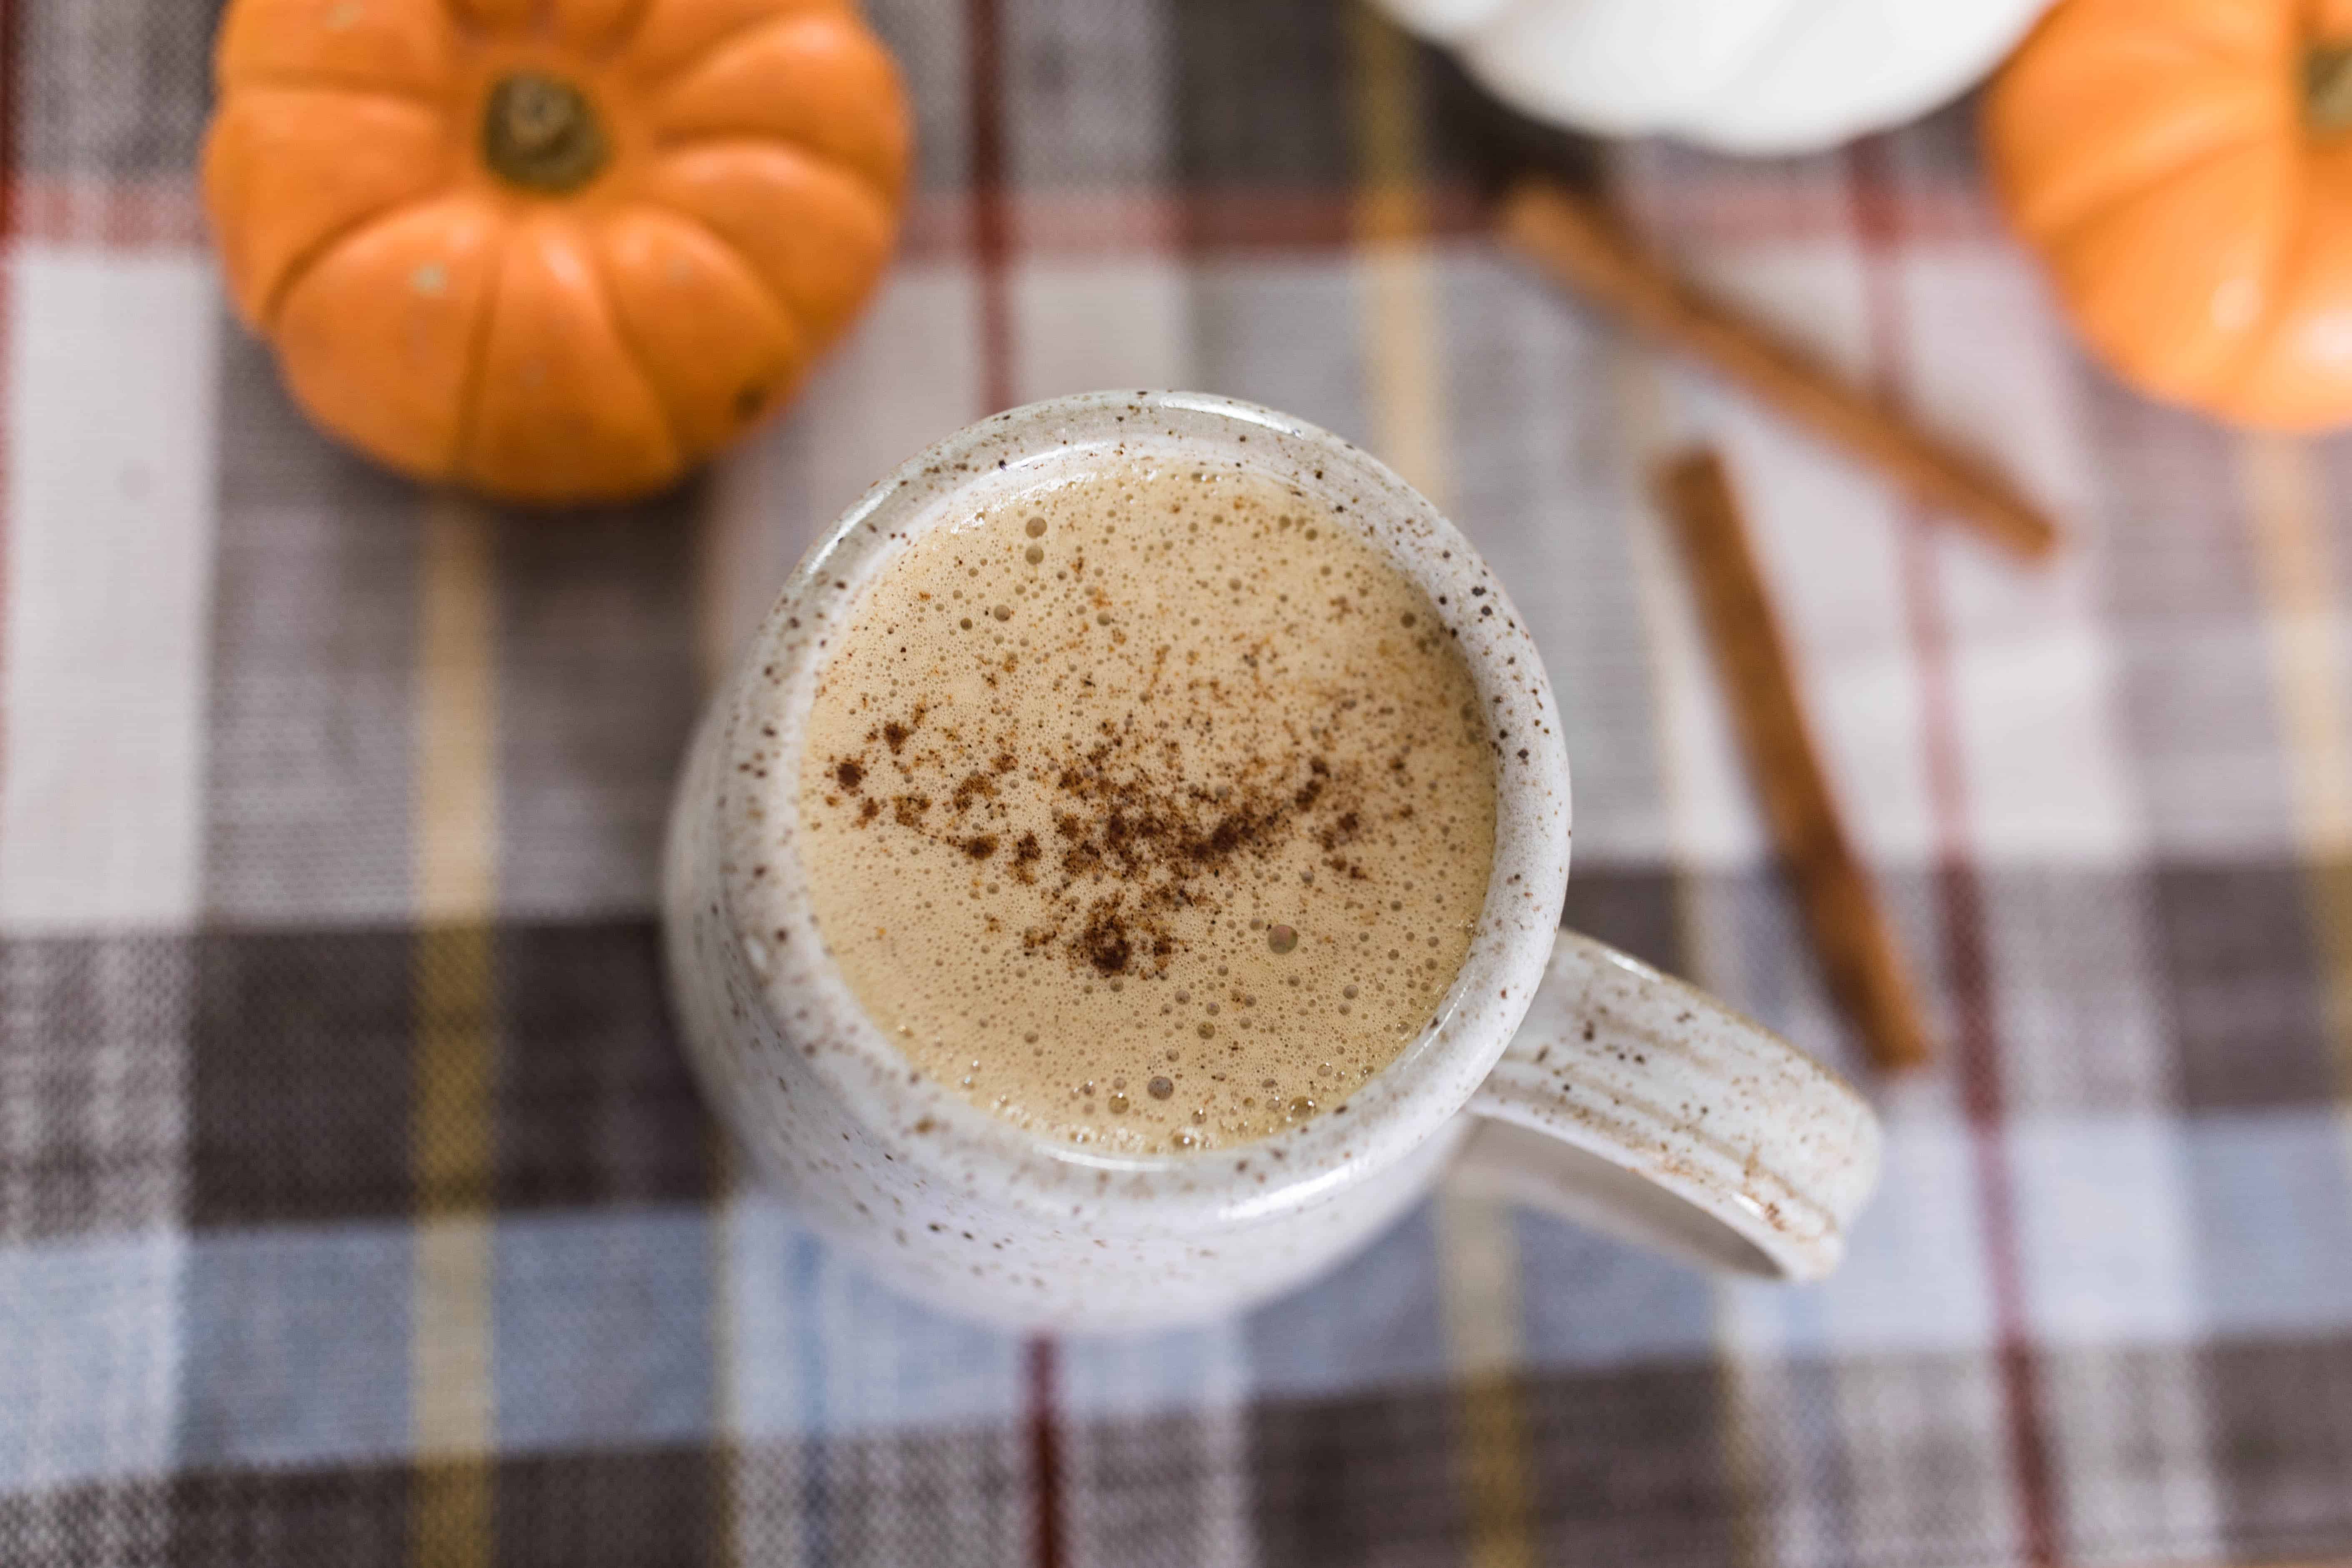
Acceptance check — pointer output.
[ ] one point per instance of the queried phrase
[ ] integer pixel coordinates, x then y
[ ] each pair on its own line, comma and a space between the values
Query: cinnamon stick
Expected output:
1576, 243
1851, 933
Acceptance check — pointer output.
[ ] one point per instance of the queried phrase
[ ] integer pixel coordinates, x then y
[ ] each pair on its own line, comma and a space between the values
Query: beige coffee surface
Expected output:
1151, 810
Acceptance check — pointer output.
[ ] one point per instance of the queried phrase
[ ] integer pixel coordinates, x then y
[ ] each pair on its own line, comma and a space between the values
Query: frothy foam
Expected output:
1149, 810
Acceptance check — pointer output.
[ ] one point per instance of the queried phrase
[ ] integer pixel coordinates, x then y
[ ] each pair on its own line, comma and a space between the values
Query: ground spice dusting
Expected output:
1138, 838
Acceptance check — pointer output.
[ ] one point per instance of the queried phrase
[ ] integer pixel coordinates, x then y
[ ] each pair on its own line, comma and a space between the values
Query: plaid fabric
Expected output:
355, 1208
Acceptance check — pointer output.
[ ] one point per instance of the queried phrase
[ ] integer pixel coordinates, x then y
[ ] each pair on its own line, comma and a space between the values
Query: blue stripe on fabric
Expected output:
804, 1266
602, 1328
2271, 1193
1589, 1301
297, 1347
1374, 1322
1133, 1377
771, 1364
823, 1350
90, 1356
2104, 1229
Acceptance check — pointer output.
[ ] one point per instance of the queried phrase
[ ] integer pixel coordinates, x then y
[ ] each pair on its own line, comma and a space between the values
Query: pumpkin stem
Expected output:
2328, 87
541, 133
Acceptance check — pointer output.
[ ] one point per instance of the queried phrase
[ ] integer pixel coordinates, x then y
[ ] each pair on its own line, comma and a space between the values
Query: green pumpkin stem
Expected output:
541, 134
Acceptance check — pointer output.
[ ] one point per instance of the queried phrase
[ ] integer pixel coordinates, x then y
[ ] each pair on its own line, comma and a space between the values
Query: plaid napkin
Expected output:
354, 1204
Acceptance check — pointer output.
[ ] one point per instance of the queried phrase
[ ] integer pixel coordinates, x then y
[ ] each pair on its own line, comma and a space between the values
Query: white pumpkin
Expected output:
1747, 76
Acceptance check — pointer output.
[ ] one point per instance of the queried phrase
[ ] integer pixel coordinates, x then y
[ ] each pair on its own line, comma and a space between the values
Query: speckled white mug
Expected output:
1556, 1069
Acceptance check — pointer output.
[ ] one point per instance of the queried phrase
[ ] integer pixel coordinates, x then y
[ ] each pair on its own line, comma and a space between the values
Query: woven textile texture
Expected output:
355, 1208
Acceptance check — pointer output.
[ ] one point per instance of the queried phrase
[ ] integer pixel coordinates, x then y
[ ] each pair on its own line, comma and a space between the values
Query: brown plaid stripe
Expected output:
935, 1495
287, 1048
110, 1524
292, 1045
2245, 994
299, 1096
2128, 1431
2282, 1445
1146, 1490
355, 1515
94, 1050
300, 1090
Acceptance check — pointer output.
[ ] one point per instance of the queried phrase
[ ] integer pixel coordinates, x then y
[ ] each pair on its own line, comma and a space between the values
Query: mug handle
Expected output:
1636, 1105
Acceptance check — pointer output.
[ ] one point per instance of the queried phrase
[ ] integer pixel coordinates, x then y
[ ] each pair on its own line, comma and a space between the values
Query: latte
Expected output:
1151, 809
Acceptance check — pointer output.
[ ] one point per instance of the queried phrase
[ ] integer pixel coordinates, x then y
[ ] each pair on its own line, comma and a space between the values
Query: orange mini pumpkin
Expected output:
2185, 168
555, 250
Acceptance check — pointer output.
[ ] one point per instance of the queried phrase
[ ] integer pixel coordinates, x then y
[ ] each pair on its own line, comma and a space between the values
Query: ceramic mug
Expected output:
1556, 1069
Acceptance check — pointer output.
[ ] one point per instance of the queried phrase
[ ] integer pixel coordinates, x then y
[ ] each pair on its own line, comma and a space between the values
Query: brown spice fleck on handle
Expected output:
1577, 243
1859, 956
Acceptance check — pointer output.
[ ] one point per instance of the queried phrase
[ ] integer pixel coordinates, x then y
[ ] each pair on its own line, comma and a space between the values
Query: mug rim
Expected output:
918, 1121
